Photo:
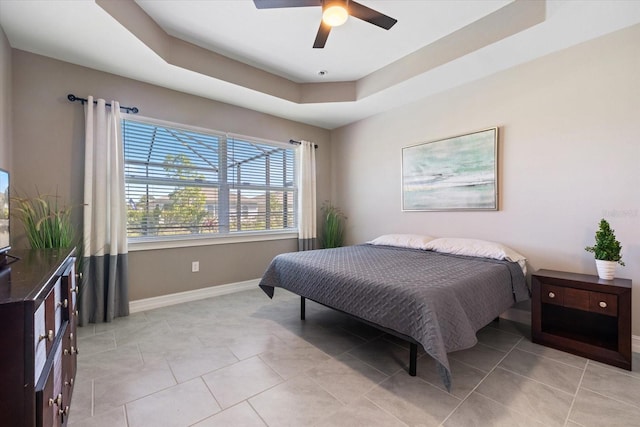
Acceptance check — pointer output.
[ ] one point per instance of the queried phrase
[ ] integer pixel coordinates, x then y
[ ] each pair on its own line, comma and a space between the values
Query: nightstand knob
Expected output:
603, 304
552, 295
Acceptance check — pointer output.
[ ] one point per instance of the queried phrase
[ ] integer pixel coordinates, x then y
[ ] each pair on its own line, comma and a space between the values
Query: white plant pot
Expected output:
606, 269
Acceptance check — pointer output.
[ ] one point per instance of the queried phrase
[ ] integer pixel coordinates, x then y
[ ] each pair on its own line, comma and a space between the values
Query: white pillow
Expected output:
413, 241
477, 248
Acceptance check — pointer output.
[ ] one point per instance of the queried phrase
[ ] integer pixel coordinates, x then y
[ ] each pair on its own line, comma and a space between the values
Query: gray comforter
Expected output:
439, 300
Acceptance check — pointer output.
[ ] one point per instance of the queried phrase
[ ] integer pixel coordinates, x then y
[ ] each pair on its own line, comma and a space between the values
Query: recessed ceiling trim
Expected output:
191, 57
506, 21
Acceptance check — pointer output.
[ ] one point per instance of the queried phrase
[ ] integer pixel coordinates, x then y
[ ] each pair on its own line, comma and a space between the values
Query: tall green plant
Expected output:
333, 226
607, 248
46, 224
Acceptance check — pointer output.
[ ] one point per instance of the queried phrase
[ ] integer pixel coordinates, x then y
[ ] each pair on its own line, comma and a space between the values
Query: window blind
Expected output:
181, 181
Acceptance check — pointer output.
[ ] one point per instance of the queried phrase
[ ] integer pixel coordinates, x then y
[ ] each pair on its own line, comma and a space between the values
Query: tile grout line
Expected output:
126, 414
256, 412
551, 358
480, 382
575, 395
590, 362
382, 409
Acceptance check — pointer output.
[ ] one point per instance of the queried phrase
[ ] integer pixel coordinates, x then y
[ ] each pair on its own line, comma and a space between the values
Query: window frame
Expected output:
185, 240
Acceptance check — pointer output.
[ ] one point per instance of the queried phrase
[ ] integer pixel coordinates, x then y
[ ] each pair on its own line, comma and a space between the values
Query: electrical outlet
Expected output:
195, 266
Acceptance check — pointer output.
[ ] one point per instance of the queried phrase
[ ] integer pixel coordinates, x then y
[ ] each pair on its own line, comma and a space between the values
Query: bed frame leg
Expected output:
302, 308
413, 358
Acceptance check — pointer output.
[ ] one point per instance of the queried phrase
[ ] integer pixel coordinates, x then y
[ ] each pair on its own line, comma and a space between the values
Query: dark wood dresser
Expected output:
38, 346
583, 314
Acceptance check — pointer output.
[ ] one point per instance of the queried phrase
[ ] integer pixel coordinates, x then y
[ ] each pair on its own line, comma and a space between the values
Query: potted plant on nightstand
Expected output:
606, 250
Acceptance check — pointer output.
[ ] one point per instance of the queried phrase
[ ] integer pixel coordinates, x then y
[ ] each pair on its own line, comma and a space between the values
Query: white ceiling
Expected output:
280, 40
118, 37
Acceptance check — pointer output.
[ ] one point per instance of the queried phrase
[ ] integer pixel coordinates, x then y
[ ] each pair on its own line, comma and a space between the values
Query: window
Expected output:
185, 182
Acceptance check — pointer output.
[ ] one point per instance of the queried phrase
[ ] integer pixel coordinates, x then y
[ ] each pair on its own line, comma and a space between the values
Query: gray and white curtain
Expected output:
307, 235
104, 292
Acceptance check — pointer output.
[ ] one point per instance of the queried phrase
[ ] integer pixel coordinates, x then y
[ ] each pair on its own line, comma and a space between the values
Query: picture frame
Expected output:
452, 174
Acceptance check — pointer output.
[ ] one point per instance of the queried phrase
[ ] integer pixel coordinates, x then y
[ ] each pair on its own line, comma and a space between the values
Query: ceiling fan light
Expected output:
335, 15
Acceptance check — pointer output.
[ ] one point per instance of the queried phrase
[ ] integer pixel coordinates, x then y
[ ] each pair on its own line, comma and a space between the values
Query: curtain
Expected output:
307, 235
104, 288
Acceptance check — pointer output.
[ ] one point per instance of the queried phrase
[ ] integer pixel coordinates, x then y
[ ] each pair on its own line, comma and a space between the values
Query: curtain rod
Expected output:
74, 98
293, 141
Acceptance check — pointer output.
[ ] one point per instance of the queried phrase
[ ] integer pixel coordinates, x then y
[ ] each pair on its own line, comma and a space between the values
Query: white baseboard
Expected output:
524, 316
197, 294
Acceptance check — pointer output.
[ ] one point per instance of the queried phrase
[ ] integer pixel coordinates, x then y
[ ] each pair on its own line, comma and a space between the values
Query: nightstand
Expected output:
583, 314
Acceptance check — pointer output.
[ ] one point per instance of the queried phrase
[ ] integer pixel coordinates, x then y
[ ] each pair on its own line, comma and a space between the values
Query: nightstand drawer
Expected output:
576, 298
579, 299
603, 303
552, 294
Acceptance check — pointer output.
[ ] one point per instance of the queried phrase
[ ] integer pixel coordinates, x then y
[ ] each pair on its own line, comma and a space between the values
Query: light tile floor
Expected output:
244, 360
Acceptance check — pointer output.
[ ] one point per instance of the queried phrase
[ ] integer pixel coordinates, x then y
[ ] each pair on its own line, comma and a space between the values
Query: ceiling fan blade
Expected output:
275, 4
372, 16
321, 37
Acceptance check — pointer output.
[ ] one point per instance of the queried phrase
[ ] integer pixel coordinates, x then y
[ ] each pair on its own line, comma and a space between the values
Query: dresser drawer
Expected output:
40, 334
50, 399
58, 305
47, 321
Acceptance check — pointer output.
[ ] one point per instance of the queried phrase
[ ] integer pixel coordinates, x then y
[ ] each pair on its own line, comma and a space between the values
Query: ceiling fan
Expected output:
334, 13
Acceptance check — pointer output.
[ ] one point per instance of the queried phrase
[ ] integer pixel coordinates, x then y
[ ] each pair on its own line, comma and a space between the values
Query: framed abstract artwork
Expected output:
457, 173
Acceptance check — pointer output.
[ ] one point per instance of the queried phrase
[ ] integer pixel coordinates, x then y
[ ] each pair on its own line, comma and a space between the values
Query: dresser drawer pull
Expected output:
552, 295
64, 411
64, 303
72, 351
57, 401
50, 336
74, 289
603, 304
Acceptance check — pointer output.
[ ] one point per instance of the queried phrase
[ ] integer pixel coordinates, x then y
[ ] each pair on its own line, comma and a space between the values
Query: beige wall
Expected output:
570, 155
5, 102
48, 153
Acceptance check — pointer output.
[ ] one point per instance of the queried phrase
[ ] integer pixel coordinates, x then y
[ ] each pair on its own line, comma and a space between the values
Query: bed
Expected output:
431, 294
